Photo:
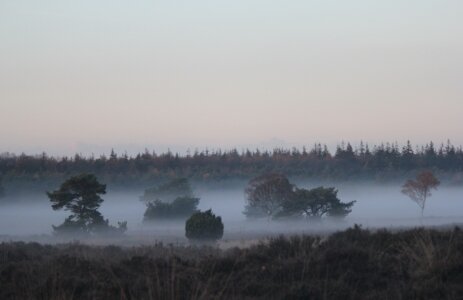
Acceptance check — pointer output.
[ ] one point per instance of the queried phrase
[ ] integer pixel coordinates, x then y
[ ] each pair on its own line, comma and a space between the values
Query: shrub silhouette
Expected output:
180, 208
174, 199
204, 226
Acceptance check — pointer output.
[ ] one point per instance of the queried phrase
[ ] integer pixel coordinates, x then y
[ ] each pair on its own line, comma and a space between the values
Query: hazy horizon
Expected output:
88, 76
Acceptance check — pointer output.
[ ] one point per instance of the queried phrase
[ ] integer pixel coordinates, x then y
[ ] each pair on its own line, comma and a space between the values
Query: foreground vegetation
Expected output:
353, 264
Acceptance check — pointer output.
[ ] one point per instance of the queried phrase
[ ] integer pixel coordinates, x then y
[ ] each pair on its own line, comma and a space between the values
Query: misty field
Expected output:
231, 149
30, 217
393, 254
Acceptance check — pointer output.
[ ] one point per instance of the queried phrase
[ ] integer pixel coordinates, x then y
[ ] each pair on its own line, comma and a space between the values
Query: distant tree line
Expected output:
361, 161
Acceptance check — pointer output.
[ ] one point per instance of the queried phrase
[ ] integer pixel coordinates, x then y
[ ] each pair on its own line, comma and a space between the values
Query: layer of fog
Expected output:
376, 206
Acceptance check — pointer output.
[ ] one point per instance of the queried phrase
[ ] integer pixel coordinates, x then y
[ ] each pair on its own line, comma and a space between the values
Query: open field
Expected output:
377, 206
231, 150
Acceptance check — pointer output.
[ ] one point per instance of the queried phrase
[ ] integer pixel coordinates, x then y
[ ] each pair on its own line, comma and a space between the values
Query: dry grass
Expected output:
353, 264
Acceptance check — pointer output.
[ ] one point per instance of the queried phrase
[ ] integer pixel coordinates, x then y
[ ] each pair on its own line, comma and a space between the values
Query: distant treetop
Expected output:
348, 161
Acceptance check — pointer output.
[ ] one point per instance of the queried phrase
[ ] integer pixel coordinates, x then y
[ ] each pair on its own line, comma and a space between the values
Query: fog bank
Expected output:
376, 206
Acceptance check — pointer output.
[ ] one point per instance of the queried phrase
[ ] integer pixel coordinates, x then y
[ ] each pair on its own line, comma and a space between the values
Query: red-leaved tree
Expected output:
420, 189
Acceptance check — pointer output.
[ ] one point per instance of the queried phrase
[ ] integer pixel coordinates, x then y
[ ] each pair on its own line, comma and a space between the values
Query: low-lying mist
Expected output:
31, 217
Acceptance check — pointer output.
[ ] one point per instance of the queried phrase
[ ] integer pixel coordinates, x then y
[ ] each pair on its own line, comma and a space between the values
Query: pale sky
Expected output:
86, 76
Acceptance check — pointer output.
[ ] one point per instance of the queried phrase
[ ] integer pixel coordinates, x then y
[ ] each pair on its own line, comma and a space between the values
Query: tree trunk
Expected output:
424, 204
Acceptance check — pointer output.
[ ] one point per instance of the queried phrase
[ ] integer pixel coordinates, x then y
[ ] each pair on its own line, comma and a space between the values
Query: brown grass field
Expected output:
351, 264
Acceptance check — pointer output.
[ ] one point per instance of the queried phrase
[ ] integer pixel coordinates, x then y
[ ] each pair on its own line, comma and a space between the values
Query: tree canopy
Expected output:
171, 200
272, 195
420, 188
316, 203
266, 195
80, 195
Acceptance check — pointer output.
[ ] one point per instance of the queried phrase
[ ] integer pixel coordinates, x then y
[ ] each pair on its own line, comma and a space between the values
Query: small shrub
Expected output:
204, 226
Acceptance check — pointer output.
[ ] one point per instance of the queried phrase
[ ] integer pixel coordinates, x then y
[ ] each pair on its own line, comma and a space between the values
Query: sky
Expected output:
90, 75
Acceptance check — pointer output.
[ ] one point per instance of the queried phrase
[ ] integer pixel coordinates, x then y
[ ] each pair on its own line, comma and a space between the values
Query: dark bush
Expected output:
204, 226
172, 200
169, 191
180, 208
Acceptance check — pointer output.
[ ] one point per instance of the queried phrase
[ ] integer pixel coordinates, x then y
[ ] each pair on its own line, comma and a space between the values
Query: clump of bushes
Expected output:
172, 200
204, 226
181, 207
273, 196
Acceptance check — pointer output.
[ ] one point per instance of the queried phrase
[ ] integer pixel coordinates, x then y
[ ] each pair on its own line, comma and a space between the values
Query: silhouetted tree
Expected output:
420, 189
407, 156
316, 203
266, 195
345, 152
81, 196
204, 226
